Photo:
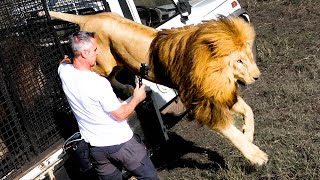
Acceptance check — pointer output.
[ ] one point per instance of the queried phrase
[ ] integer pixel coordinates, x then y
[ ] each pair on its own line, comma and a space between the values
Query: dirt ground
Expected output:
285, 101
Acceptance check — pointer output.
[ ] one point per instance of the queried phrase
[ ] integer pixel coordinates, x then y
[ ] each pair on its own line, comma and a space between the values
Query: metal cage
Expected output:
35, 116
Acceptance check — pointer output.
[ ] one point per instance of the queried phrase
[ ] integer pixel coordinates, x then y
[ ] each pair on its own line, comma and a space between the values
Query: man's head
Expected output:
84, 46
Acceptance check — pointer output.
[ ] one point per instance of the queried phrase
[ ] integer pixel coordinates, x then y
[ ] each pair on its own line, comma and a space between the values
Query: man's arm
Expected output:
125, 110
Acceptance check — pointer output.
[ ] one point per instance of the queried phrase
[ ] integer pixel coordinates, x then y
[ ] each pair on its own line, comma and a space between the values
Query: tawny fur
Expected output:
203, 62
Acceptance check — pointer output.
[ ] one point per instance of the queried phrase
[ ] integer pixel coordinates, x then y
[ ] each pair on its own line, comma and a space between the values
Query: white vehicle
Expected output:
155, 13
160, 14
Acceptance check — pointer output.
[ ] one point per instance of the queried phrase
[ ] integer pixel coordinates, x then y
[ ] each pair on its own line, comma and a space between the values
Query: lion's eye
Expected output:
240, 61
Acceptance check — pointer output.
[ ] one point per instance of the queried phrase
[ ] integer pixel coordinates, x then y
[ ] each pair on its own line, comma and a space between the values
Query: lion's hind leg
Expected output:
248, 149
125, 89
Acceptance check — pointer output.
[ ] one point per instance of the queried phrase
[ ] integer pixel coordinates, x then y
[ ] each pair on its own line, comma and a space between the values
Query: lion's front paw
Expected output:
248, 133
256, 156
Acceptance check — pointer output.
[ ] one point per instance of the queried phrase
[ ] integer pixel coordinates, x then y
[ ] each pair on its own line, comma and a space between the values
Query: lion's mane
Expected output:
191, 60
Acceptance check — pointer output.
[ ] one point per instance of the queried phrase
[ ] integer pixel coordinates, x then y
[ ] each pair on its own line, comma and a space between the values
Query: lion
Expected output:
204, 62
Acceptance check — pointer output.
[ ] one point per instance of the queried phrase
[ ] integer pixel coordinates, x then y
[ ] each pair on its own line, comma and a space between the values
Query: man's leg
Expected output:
146, 170
134, 157
116, 175
104, 168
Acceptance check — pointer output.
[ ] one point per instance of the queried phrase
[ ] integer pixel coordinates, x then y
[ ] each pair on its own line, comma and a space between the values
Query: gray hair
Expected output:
80, 41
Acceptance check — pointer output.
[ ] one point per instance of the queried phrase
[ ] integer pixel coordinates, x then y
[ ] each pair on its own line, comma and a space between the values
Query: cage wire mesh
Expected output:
80, 7
33, 109
13, 144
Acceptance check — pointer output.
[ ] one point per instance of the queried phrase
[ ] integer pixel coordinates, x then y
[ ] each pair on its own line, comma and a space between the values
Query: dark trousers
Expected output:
131, 155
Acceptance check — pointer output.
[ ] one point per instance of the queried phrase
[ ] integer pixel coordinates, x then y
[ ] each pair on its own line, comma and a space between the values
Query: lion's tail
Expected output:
77, 19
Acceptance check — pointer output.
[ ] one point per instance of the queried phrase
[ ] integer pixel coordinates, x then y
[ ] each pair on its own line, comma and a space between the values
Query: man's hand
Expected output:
65, 60
140, 92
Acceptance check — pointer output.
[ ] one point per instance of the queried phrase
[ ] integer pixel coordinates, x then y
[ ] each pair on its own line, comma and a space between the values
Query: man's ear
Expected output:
84, 53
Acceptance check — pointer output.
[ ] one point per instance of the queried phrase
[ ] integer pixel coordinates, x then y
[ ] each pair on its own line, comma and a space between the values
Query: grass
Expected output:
285, 101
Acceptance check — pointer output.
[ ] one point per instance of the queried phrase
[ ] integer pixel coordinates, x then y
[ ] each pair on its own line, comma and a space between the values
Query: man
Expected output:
102, 119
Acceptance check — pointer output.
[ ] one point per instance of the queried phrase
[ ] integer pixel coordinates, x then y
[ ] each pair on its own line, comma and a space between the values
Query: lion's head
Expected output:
204, 62
243, 65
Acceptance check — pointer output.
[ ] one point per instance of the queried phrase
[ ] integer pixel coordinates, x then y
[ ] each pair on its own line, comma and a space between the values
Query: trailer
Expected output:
35, 116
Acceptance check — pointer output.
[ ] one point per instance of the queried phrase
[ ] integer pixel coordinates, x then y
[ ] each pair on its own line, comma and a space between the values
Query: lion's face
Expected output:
243, 66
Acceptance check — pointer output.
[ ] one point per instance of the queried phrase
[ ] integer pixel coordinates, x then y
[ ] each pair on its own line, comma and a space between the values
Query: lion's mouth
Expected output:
241, 83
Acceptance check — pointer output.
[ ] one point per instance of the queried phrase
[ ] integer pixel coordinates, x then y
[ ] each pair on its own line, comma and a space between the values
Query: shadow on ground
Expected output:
171, 155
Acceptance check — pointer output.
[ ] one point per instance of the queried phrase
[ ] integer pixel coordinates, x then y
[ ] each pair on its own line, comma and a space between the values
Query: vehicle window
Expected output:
155, 12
